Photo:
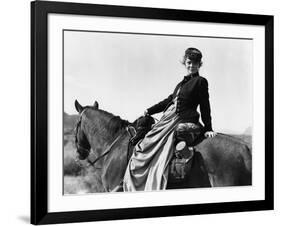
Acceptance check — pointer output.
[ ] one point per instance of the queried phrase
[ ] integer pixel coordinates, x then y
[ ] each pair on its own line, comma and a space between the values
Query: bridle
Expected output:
79, 146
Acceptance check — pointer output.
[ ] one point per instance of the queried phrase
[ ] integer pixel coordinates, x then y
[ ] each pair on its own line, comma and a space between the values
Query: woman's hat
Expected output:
193, 54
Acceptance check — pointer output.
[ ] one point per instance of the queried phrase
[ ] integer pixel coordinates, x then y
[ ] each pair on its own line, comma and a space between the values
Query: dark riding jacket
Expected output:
193, 93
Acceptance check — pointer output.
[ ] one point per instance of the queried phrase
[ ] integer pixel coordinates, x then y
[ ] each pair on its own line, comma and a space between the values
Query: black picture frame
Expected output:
39, 112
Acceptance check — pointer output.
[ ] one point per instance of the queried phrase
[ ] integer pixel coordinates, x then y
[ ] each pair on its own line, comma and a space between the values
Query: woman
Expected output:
148, 166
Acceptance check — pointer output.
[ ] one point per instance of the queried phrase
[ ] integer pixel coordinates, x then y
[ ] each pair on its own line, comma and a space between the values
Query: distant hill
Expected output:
248, 131
69, 122
246, 138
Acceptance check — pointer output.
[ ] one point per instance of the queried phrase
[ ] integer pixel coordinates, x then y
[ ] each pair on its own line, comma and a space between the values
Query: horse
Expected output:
228, 160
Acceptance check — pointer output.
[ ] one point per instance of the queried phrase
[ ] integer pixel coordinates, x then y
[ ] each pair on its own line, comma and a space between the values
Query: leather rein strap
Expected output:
112, 144
107, 151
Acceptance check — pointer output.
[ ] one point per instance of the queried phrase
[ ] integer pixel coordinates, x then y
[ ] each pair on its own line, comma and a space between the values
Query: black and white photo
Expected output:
127, 74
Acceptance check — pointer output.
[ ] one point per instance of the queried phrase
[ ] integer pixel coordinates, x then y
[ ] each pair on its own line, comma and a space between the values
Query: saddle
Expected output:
187, 168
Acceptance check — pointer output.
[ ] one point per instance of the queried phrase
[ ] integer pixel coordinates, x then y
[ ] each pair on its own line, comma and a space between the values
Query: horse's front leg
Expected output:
113, 172
112, 180
104, 179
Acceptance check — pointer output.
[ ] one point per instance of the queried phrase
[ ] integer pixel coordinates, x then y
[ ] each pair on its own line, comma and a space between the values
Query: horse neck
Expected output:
99, 132
119, 146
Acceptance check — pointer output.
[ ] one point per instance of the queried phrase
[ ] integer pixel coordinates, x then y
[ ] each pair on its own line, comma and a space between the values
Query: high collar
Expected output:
188, 77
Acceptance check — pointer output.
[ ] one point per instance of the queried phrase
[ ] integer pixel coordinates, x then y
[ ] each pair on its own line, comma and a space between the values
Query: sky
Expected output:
128, 73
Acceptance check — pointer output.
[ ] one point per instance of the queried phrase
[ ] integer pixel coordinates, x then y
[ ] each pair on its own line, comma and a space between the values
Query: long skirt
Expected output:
148, 167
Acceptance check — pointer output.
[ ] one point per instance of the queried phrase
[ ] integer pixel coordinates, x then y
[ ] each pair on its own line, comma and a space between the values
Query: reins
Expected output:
107, 151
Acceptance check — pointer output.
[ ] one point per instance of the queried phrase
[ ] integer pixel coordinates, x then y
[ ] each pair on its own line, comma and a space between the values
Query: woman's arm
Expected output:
205, 105
160, 106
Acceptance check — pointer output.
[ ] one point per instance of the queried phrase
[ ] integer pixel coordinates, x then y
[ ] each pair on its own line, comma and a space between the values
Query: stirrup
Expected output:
181, 147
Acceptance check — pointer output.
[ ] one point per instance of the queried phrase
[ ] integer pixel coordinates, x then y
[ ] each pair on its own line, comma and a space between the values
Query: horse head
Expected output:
96, 129
82, 143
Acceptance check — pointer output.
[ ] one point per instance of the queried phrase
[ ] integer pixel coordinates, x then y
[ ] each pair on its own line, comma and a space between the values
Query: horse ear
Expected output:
78, 106
96, 105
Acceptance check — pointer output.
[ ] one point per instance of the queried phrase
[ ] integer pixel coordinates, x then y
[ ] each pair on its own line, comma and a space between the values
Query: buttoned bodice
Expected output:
190, 93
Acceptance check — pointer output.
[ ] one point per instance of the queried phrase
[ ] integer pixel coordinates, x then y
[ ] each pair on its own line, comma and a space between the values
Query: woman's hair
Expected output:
192, 54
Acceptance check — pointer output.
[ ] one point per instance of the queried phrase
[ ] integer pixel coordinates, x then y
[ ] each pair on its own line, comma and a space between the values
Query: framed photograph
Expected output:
145, 112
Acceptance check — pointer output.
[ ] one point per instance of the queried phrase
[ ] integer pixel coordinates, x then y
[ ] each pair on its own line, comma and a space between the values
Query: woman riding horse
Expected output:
148, 167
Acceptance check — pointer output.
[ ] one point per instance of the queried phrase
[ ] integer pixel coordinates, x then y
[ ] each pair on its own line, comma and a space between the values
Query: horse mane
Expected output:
114, 123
